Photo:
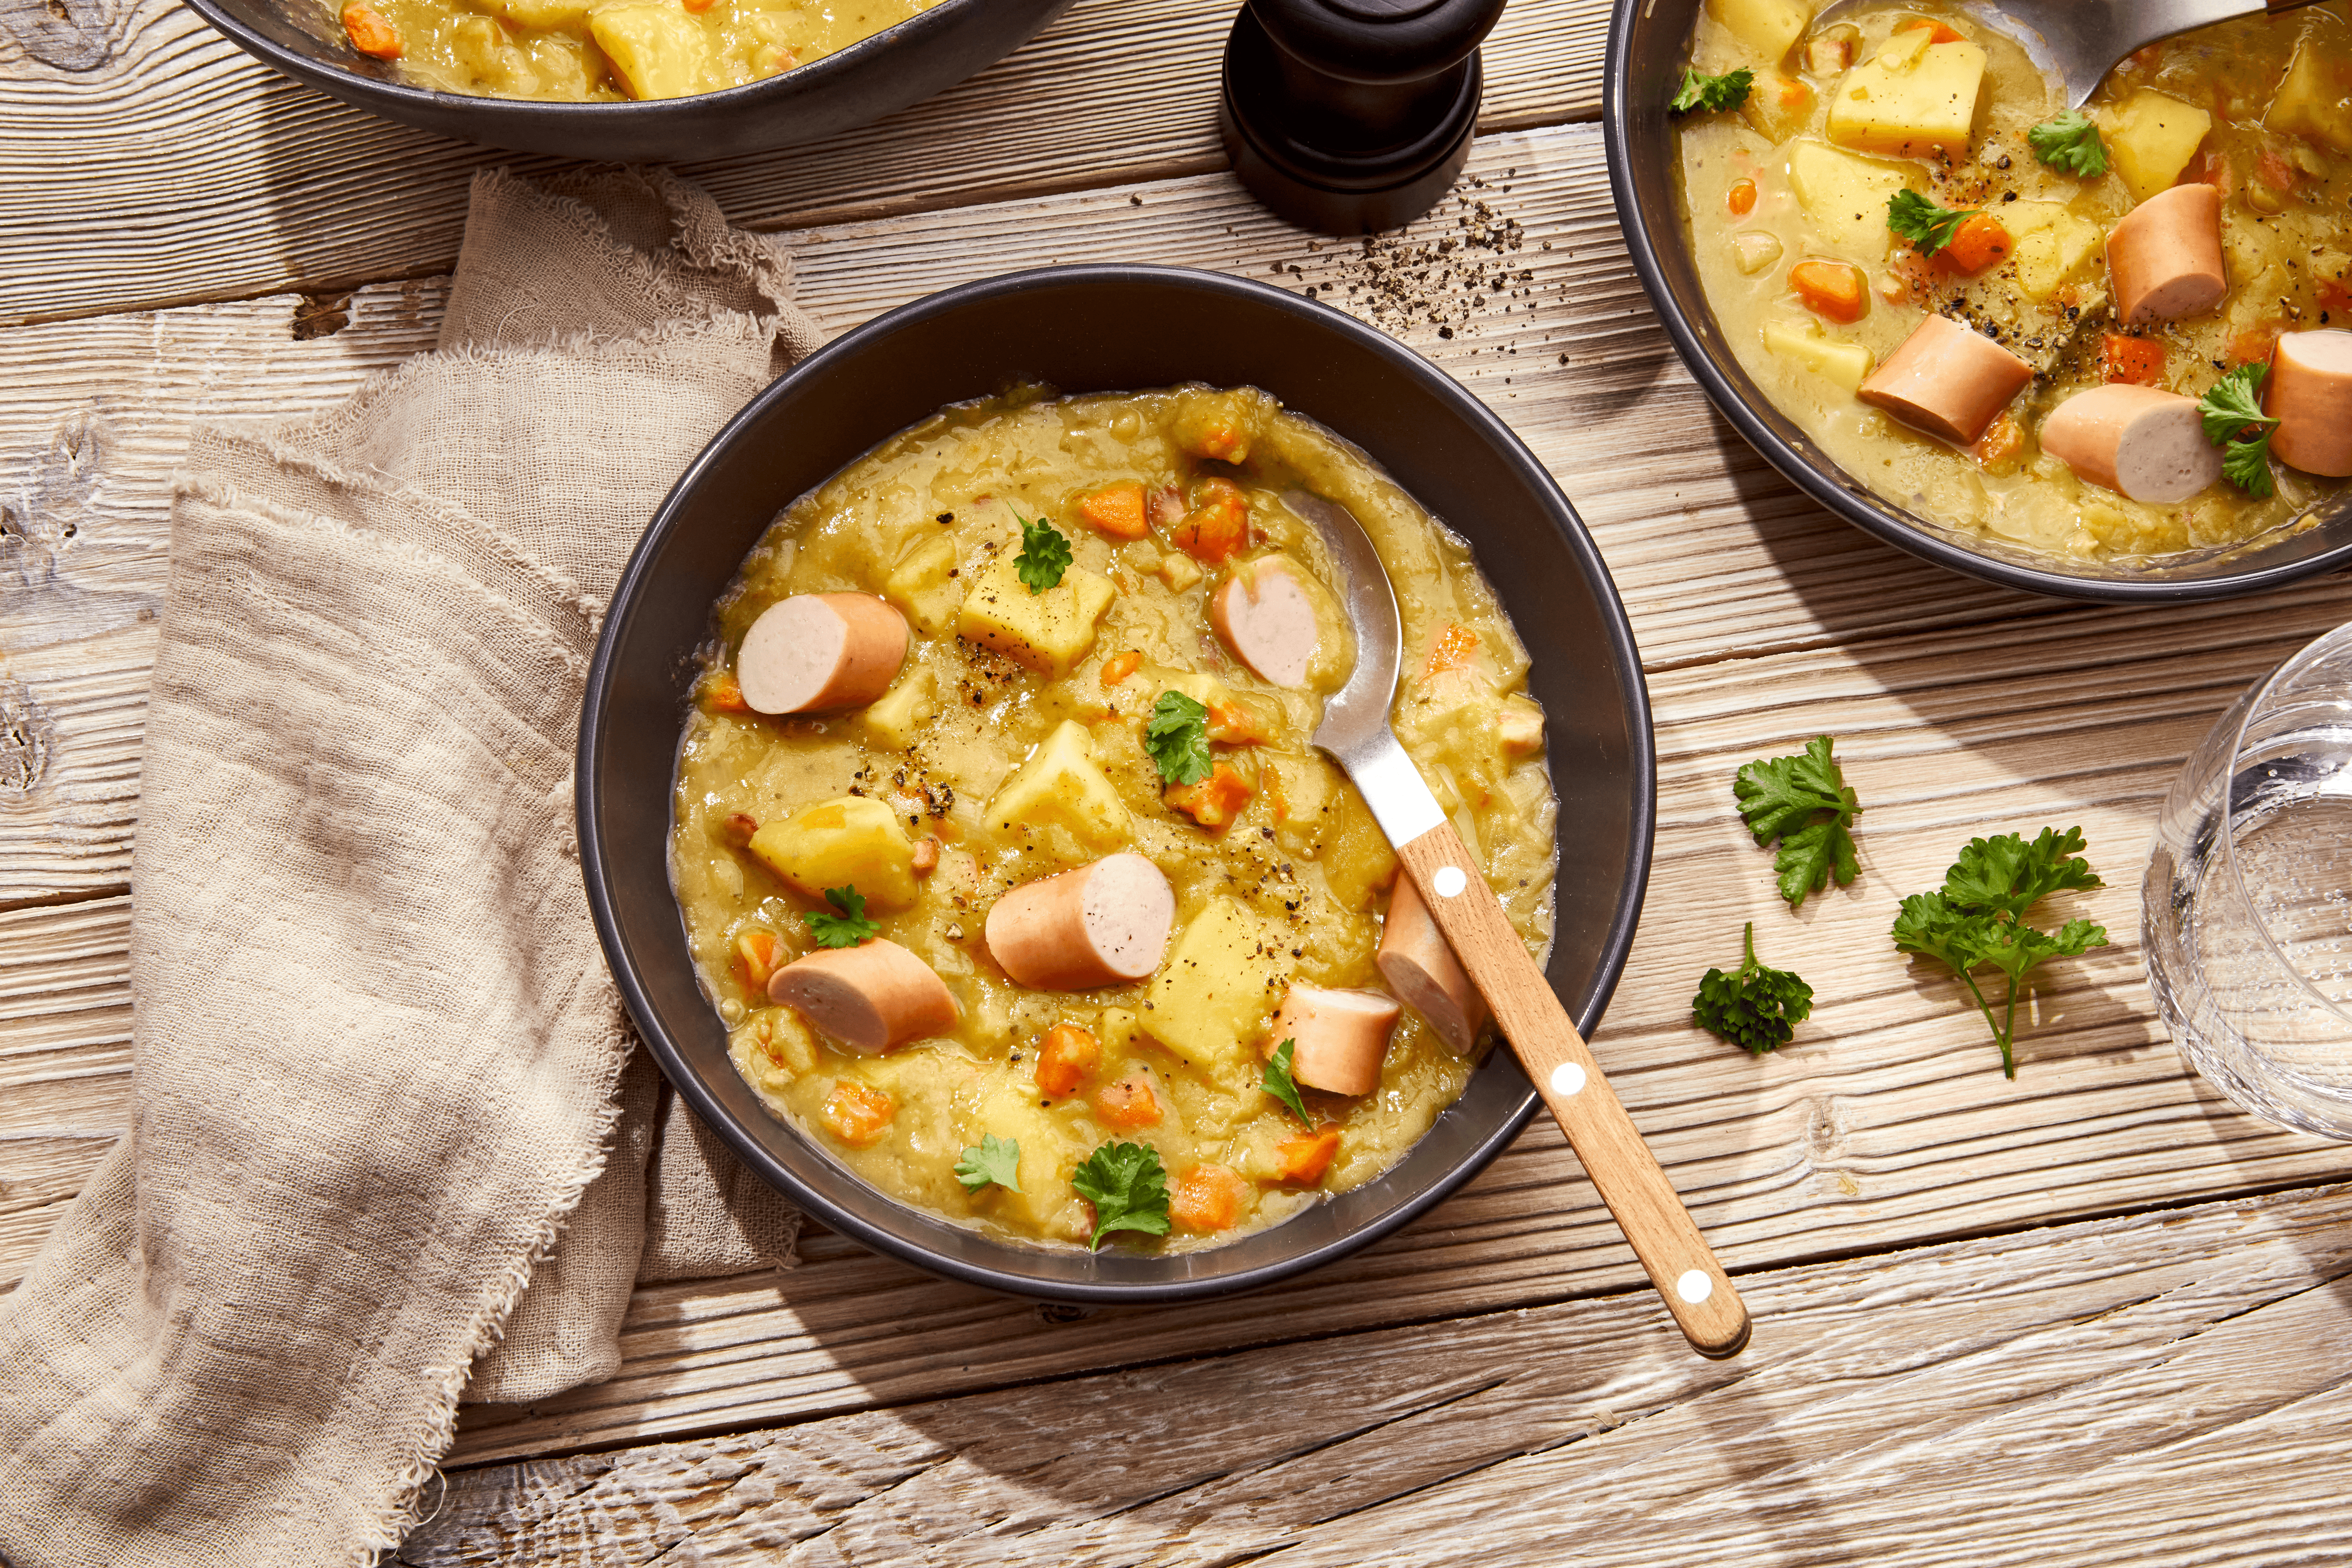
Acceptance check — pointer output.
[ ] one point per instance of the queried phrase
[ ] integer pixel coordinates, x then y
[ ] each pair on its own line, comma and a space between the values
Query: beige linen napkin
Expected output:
379, 1065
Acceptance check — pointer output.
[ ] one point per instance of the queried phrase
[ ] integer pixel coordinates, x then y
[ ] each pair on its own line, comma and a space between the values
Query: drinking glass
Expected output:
2246, 911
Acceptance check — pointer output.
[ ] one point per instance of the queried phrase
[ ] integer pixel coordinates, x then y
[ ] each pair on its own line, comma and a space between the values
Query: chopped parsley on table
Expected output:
1128, 1187
1177, 736
1755, 1007
2236, 422
1804, 801
846, 929
1729, 90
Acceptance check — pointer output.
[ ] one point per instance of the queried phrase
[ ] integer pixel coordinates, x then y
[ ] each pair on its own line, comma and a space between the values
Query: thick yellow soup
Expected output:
602, 51
1029, 639
2001, 317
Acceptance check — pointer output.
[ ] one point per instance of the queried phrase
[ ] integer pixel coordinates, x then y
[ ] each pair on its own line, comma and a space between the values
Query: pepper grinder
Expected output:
1351, 116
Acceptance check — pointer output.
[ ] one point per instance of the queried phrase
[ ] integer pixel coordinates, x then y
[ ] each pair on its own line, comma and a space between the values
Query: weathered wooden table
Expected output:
2091, 1315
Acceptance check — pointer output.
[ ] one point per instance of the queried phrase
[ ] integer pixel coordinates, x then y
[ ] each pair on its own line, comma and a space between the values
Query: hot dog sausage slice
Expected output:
2165, 256
2146, 444
1267, 617
874, 997
1947, 380
1342, 1037
2309, 392
1422, 971
1101, 925
818, 651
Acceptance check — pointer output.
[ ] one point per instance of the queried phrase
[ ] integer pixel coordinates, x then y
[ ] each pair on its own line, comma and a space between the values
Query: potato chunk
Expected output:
1048, 1154
2051, 244
1209, 1000
896, 718
853, 841
657, 50
2154, 137
923, 584
1771, 27
1048, 632
1846, 197
2315, 99
1910, 101
1062, 782
1842, 365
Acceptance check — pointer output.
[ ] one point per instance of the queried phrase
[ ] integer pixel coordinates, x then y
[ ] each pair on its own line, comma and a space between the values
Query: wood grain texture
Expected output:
301, 192
2164, 1388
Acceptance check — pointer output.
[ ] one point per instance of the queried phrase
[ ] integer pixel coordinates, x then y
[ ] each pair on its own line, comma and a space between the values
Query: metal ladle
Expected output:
1355, 731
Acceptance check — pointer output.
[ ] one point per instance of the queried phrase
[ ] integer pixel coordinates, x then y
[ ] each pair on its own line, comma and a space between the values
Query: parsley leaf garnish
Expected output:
1177, 736
1756, 1008
847, 929
2234, 420
1805, 802
1977, 917
1279, 1084
1729, 90
1045, 554
992, 1159
1128, 1187
1927, 225
2070, 141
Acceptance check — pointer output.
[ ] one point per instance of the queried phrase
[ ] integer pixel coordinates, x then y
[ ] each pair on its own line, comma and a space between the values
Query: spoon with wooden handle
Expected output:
1355, 731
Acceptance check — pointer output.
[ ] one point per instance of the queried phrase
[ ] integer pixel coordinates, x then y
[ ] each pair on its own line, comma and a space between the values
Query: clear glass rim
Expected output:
2294, 665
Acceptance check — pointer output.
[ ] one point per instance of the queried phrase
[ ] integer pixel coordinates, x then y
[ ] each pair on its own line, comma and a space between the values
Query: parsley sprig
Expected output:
992, 1159
1805, 802
1756, 1008
1729, 90
1977, 917
1177, 736
2234, 421
1927, 226
1128, 1187
846, 929
1279, 1084
2070, 141
1045, 554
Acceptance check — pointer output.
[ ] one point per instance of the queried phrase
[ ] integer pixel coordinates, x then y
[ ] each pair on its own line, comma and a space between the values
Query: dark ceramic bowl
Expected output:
1100, 329
872, 77
1649, 42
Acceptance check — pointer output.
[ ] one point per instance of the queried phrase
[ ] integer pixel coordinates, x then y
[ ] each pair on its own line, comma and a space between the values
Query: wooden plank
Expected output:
103, 134
2099, 1393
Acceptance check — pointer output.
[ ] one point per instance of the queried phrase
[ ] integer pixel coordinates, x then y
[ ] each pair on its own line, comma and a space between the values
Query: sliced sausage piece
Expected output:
1947, 380
874, 997
818, 651
2165, 256
1342, 1037
1101, 925
2309, 392
1268, 619
2146, 444
1422, 971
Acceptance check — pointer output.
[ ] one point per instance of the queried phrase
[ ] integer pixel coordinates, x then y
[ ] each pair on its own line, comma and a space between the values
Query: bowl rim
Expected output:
1868, 513
328, 77
1616, 627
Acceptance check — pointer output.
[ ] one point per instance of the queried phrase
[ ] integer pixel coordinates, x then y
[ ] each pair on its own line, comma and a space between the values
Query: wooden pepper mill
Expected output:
1350, 116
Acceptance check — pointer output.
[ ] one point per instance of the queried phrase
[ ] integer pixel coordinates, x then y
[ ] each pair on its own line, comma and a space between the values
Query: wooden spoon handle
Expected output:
1647, 1208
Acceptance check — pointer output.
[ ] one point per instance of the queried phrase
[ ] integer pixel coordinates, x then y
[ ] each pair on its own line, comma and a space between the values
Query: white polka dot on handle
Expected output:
1566, 1078
1694, 1286
1449, 881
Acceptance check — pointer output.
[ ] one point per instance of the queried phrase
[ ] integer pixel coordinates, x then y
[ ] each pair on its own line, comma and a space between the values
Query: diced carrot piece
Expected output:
1232, 723
1793, 93
1115, 510
1119, 666
2002, 443
720, 693
1830, 289
1130, 1102
1213, 802
2124, 357
370, 33
1208, 1198
1216, 438
2252, 346
1742, 198
1304, 1158
1451, 647
2275, 171
1979, 243
1217, 528
1065, 1056
855, 1114
927, 855
755, 957
1942, 34
697, 4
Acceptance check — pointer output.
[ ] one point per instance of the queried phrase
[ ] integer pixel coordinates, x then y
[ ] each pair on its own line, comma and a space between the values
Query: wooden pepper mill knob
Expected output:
1350, 116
